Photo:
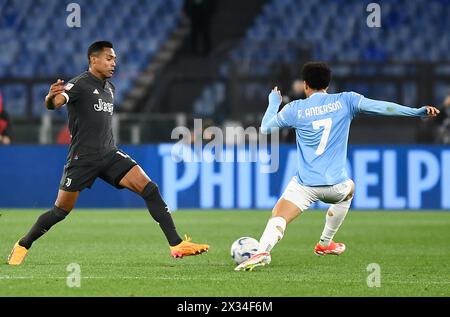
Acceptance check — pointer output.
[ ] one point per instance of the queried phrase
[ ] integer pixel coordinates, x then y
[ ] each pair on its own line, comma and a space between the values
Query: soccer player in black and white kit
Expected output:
93, 154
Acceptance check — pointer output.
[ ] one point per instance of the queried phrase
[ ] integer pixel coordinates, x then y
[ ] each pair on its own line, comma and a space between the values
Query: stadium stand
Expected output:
404, 35
36, 41
285, 26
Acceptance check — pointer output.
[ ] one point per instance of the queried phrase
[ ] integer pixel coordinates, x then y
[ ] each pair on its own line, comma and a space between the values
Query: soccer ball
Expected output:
243, 248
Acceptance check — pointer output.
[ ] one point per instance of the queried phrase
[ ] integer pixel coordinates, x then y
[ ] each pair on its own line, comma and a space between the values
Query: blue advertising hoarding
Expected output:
386, 177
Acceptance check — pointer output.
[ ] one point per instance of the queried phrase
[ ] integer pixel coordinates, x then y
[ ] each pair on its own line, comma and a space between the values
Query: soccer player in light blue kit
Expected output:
322, 123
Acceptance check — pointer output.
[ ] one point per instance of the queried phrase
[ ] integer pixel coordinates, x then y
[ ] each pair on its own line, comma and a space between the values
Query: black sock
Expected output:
160, 212
42, 225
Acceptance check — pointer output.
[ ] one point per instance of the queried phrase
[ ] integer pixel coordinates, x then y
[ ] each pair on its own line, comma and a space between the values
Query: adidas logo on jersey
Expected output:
95, 92
104, 106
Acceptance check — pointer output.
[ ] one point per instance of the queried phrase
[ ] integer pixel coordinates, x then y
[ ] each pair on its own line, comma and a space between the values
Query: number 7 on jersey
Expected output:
326, 124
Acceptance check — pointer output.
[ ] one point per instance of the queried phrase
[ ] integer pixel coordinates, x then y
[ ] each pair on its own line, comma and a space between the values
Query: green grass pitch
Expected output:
124, 253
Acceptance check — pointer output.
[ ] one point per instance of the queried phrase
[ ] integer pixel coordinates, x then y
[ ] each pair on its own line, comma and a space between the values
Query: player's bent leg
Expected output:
282, 214
295, 199
286, 209
137, 181
334, 219
66, 200
63, 205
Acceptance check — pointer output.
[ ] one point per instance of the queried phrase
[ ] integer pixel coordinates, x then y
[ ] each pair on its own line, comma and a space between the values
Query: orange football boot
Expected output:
17, 255
186, 247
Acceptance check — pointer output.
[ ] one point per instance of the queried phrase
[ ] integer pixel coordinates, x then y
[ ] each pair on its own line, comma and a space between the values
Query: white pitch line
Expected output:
107, 278
184, 279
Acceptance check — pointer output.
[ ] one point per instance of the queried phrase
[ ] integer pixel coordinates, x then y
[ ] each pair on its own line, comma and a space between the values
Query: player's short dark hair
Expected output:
97, 47
317, 75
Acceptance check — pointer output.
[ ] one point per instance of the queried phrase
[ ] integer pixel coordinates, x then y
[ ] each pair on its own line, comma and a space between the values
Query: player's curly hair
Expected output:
317, 75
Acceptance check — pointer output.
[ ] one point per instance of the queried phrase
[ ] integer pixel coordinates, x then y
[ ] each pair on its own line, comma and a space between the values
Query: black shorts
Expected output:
82, 170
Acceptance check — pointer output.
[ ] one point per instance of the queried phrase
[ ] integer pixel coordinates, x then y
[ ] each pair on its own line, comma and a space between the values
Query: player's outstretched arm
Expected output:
54, 98
269, 121
370, 106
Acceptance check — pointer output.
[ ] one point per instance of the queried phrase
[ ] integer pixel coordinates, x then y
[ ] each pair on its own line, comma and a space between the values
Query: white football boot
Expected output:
259, 259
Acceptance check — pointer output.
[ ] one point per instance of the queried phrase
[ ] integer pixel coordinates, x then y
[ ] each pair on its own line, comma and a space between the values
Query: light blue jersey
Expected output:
322, 124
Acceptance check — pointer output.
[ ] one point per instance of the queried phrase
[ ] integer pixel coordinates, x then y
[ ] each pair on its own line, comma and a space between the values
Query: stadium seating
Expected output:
36, 42
406, 34
285, 26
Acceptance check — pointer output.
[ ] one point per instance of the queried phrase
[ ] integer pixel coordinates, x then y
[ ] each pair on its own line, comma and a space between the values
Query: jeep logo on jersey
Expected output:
104, 106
